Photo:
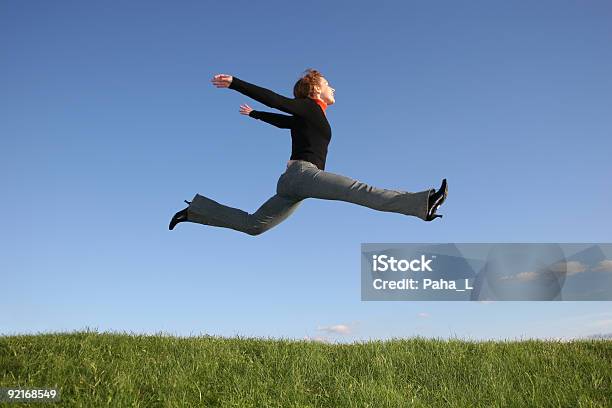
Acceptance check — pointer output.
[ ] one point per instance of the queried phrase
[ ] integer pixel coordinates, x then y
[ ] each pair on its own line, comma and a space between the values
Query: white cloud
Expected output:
582, 320
602, 323
604, 266
575, 267
336, 329
424, 314
571, 267
521, 276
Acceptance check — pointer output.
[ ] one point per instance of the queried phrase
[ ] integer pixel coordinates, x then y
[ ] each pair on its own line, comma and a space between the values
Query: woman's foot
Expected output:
435, 200
180, 216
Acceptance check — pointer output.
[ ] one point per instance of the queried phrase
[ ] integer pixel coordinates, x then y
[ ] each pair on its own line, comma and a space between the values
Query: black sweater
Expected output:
310, 130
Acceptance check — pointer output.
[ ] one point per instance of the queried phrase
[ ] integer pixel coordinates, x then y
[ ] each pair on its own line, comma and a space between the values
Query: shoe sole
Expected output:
179, 217
443, 198
440, 200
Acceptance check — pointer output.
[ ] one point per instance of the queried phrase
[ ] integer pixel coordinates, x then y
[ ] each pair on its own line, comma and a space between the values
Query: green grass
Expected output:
119, 370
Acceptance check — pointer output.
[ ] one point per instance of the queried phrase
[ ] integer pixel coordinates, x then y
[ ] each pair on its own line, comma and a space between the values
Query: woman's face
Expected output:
327, 92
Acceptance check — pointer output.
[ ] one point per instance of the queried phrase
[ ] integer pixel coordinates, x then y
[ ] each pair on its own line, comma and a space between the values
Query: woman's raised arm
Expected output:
294, 106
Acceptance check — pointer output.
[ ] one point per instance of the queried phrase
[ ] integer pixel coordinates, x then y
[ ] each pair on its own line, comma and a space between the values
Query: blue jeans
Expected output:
303, 180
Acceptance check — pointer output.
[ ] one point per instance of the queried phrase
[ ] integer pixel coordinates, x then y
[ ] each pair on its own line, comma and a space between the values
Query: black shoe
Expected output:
435, 200
180, 216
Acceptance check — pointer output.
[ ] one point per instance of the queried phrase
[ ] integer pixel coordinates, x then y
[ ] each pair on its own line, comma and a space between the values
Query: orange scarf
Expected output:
320, 102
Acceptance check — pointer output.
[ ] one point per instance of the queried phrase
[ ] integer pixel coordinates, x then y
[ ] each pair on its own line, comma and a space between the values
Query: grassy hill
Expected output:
99, 369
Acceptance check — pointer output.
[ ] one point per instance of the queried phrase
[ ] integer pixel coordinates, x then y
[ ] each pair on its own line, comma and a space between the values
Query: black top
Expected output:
310, 130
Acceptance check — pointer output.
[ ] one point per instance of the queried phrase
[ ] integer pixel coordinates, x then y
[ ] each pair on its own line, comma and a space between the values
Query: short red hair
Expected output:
305, 86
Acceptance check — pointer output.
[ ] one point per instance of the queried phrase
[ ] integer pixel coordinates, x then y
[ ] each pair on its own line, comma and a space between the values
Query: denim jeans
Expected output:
303, 180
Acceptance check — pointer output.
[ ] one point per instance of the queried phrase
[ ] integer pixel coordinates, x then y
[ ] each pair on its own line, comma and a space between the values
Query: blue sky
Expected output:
108, 121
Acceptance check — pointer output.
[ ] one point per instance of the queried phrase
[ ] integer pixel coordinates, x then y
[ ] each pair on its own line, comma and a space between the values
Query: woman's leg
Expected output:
304, 180
205, 211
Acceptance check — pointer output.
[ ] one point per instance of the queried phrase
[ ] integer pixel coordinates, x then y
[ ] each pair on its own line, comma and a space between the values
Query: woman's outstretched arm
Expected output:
294, 106
276, 119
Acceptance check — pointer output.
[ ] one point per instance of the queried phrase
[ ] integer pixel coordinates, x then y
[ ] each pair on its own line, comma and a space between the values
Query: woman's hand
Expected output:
245, 109
222, 80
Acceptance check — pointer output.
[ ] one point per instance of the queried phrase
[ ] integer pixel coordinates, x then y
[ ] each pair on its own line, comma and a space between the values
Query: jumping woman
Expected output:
305, 176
